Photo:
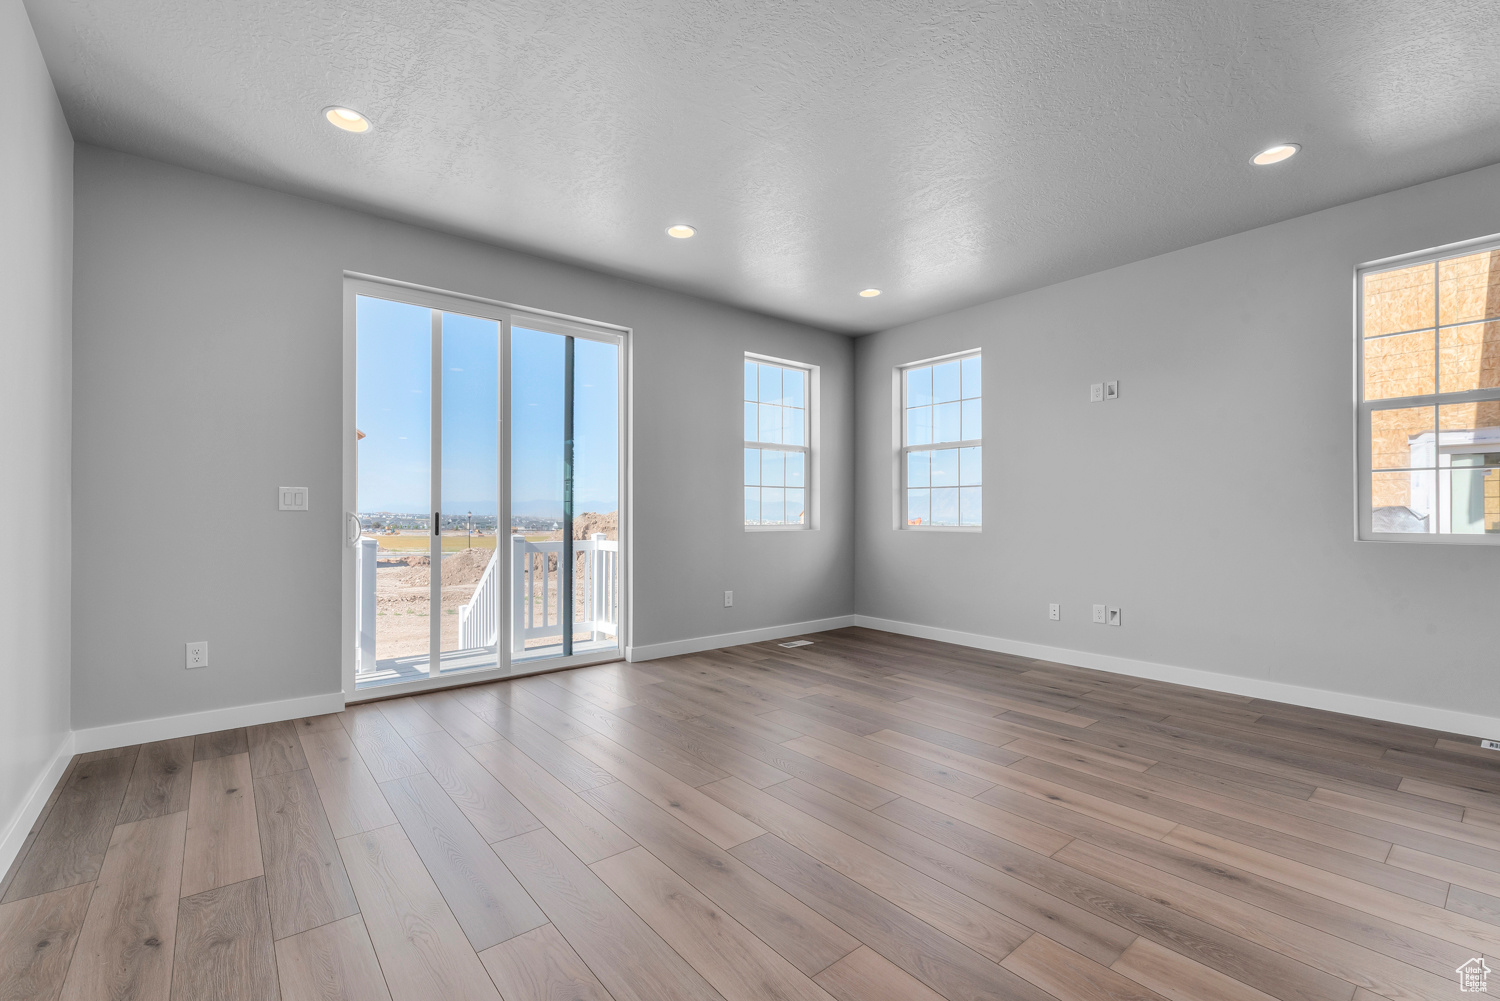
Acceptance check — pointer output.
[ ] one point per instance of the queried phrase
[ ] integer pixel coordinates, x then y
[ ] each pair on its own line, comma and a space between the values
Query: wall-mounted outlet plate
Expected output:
197, 654
728, 599
1099, 614
1096, 393
1112, 390
1112, 616
293, 498
1054, 611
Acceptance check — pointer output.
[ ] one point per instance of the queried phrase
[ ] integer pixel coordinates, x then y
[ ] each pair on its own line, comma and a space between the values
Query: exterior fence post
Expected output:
520, 601
596, 589
365, 661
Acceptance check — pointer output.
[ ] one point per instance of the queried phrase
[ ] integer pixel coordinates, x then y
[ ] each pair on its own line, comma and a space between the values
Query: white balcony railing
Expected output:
537, 579
535, 599
480, 618
364, 605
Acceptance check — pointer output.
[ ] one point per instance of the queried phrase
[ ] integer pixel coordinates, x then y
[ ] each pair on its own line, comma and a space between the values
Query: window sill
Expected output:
1488, 539
779, 528
972, 529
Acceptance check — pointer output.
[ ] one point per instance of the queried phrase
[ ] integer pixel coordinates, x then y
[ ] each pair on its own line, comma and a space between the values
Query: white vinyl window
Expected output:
941, 464
1429, 397
779, 431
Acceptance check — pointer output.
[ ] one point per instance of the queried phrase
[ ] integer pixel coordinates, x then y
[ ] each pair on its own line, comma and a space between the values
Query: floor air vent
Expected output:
796, 643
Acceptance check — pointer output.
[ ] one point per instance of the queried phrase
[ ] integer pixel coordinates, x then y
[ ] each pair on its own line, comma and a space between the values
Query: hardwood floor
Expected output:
869, 818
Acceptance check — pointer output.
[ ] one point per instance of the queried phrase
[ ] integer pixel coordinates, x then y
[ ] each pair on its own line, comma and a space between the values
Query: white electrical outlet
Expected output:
1490, 745
1099, 614
1096, 392
197, 654
1112, 617
293, 498
728, 599
1054, 611
1112, 390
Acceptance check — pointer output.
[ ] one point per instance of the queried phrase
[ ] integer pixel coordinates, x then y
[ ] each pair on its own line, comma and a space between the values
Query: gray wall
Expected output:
36, 266
209, 354
1214, 501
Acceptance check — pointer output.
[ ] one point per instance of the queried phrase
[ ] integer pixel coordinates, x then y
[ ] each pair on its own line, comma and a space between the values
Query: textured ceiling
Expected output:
945, 152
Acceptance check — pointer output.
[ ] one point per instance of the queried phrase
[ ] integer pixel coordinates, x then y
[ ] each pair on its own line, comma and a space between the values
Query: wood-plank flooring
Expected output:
869, 818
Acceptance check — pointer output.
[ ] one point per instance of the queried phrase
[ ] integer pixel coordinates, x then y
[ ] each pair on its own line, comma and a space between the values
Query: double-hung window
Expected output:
1429, 397
941, 463
780, 413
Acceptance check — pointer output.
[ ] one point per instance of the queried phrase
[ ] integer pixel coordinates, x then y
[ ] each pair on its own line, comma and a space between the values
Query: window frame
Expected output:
809, 448
902, 448
1363, 409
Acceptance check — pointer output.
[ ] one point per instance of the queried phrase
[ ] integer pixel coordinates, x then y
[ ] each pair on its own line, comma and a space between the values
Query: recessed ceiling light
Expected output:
681, 232
1275, 154
869, 293
347, 119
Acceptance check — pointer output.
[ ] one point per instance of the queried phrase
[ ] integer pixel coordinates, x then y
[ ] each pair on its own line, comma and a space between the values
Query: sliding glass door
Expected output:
564, 489
427, 415
468, 495
485, 489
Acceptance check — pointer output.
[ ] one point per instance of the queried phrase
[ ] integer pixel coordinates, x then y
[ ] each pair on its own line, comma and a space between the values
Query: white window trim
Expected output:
898, 394
1363, 409
811, 450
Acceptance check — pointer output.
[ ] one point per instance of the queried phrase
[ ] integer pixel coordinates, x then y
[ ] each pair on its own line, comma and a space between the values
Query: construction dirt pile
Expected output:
465, 567
586, 525
461, 569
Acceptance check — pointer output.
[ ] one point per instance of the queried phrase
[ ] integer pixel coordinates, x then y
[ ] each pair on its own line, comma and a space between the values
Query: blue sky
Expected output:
394, 400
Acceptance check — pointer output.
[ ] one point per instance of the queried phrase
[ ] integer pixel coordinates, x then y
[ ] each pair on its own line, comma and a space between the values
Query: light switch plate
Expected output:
293, 498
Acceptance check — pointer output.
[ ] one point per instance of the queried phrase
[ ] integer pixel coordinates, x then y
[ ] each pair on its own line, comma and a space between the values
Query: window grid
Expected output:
777, 455
941, 461
1429, 404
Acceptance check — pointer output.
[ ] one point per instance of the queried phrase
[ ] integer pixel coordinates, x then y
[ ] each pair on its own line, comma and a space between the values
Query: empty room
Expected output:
843, 501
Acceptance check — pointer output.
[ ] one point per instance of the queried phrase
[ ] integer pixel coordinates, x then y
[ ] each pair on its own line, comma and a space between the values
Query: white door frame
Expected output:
507, 315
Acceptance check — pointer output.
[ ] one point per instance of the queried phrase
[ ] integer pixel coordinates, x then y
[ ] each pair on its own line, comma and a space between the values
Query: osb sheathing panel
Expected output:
1469, 357
1400, 365
1391, 432
1451, 360
1398, 300
1469, 288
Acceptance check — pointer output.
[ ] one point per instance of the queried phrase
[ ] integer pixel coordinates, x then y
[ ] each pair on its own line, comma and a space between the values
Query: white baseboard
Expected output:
1428, 717
30, 808
700, 643
99, 738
